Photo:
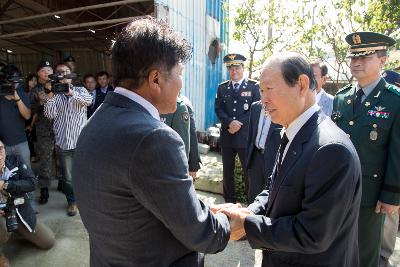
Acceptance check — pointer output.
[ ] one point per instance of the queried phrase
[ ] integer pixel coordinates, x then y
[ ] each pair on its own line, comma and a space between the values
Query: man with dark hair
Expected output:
324, 100
68, 112
14, 110
232, 106
89, 81
131, 170
103, 79
308, 215
369, 112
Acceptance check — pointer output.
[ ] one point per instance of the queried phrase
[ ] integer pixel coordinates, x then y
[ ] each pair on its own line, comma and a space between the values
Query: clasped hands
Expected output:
234, 126
236, 214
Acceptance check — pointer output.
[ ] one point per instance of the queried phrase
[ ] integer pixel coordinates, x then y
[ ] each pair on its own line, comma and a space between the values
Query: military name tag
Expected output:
247, 93
373, 135
246, 106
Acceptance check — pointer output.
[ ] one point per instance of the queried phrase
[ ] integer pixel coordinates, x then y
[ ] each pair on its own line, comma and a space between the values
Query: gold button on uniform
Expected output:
375, 175
351, 123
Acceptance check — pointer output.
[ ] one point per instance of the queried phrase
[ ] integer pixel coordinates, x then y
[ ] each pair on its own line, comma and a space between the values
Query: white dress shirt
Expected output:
140, 100
296, 125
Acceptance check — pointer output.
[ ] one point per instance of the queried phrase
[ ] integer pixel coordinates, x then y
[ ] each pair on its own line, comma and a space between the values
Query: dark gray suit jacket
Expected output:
309, 218
271, 147
134, 194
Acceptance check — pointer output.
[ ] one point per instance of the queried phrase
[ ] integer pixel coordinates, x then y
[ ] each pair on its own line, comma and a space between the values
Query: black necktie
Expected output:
284, 142
357, 100
236, 86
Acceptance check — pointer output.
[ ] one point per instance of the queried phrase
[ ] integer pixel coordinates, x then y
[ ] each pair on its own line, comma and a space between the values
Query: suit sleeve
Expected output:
314, 228
219, 108
390, 193
166, 190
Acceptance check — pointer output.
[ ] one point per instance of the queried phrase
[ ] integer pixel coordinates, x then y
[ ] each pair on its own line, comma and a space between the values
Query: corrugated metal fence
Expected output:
200, 22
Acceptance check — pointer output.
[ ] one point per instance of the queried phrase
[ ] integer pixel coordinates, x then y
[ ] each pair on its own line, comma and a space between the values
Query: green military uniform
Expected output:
179, 121
374, 129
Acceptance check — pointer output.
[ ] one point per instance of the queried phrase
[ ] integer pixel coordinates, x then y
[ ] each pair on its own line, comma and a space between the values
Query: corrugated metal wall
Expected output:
216, 73
199, 21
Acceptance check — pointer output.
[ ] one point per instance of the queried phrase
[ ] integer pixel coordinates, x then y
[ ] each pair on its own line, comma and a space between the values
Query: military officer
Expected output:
232, 106
369, 112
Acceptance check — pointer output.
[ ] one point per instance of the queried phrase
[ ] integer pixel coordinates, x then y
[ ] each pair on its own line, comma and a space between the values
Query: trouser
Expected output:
256, 175
45, 145
370, 225
66, 157
390, 228
21, 149
43, 237
228, 164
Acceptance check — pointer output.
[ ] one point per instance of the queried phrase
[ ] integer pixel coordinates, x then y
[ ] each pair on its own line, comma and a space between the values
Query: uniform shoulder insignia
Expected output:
393, 89
226, 82
347, 87
252, 81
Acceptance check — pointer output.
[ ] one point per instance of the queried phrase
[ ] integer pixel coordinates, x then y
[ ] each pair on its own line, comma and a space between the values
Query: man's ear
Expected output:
152, 79
304, 83
383, 61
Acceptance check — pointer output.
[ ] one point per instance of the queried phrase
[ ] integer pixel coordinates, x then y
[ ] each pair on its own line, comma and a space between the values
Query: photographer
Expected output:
14, 110
16, 180
68, 110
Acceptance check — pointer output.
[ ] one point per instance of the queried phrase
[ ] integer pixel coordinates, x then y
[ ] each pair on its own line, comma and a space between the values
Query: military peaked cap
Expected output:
365, 43
234, 60
43, 64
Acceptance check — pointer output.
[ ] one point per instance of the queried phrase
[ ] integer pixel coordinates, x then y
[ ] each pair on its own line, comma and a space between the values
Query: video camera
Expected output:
10, 209
7, 83
56, 86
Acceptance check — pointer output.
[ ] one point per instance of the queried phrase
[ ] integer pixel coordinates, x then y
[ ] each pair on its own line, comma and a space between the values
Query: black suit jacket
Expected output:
271, 144
134, 194
309, 217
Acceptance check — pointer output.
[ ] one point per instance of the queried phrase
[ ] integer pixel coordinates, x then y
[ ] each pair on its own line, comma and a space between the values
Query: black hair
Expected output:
11, 70
102, 73
144, 45
322, 66
87, 76
61, 64
294, 65
29, 78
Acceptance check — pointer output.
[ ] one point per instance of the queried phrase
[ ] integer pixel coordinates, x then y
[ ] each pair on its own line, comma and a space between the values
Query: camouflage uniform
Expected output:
45, 140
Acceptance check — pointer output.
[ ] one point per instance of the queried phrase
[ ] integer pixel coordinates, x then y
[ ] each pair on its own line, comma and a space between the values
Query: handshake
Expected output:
236, 215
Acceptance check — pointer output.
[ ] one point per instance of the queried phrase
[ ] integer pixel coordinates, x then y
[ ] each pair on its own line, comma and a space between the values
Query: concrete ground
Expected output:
72, 244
